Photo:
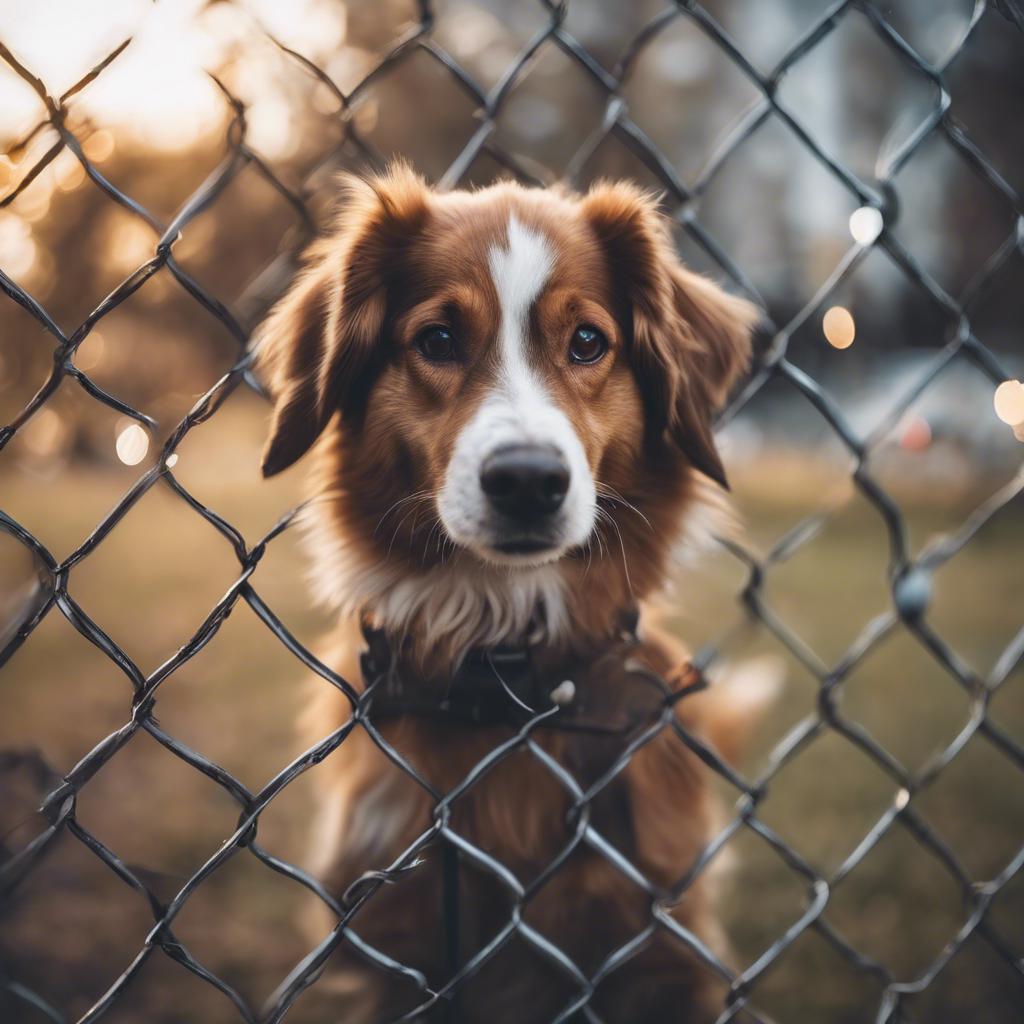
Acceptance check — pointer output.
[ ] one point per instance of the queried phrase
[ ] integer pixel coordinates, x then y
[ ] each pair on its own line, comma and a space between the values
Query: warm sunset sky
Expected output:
157, 89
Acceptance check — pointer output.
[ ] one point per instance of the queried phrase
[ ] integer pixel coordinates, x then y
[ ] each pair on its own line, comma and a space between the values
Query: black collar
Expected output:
611, 692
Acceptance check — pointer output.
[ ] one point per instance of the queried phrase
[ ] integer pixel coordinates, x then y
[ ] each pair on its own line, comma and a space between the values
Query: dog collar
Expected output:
610, 692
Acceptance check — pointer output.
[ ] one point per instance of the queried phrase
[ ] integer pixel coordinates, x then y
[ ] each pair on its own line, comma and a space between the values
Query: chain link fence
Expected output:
909, 574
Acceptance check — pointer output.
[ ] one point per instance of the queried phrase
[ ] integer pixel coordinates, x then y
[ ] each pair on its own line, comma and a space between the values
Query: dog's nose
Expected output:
525, 481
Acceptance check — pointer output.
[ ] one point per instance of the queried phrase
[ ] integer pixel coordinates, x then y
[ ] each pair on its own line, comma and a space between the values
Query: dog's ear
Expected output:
690, 340
319, 345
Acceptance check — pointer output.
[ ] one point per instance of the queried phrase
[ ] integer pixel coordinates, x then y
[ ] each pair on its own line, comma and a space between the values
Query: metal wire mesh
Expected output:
909, 578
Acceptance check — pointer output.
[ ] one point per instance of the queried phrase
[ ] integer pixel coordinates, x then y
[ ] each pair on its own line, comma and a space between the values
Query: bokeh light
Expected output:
18, 249
45, 433
839, 327
99, 146
90, 354
130, 243
916, 435
132, 445
1009, 402
69, 174
866, 224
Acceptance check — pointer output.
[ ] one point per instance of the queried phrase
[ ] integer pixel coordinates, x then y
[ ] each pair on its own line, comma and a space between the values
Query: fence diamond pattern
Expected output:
909, 578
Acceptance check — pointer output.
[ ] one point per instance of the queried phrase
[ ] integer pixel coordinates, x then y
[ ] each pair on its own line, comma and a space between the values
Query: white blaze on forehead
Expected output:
518, 410
519, 272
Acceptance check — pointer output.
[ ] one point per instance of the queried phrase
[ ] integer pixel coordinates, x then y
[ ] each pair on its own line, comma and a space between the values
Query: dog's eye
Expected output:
588, 345
436, 344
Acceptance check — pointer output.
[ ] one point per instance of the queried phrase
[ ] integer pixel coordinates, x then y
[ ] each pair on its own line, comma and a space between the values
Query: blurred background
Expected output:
874, 211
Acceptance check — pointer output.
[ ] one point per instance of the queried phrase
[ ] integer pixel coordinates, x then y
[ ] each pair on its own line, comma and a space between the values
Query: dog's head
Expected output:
499, 375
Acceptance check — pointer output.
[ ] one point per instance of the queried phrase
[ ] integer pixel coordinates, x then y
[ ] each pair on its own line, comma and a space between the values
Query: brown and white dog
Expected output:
510, 392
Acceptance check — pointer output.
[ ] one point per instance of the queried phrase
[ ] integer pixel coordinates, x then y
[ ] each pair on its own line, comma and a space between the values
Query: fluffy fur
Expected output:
400, 533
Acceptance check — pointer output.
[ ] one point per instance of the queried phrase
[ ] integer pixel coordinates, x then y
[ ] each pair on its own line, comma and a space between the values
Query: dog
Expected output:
507, 396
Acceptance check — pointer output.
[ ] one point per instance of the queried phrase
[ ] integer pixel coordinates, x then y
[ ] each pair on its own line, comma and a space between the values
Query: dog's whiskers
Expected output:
413, 510
604, 517
610, 494
588, 546
434, 524
395, 506
600, 516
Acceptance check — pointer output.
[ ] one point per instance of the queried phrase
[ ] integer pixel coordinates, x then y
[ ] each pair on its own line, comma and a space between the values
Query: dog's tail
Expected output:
737, 701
